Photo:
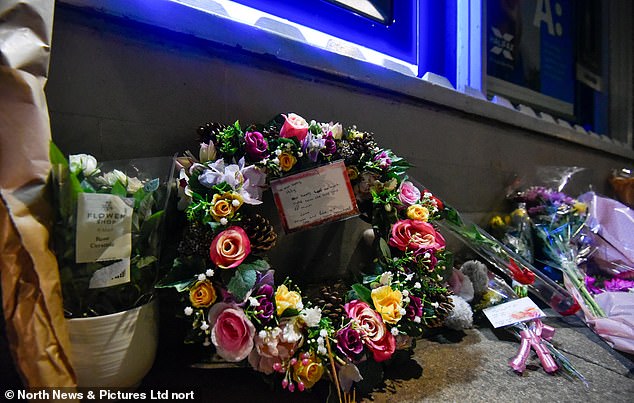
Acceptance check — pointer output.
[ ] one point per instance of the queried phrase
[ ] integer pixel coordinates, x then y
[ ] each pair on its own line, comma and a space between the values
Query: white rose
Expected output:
113, 176
83, 163
134, 184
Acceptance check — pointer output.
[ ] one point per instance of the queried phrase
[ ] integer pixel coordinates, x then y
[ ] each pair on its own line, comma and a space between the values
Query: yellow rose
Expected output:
388, 303
418, 212
285, 299
202, 294
308, 374
225, 205
496, 222
287, 161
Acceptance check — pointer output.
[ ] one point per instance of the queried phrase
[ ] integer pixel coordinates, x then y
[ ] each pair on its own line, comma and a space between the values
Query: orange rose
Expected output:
202, 294
308, 374
287, 161
225, 205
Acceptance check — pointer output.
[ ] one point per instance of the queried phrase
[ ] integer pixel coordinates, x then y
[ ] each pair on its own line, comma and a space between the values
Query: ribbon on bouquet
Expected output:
531, 338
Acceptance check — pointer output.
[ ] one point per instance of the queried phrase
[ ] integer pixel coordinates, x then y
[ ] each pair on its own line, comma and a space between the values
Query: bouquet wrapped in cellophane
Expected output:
609, 270
585, 245
108, 230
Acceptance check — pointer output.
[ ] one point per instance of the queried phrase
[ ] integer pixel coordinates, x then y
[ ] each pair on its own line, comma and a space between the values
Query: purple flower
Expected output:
349, 342
330, 146
415, 308
266, 309
383, 159
311, 146
590, 285
617, 284
256, 146
266, 290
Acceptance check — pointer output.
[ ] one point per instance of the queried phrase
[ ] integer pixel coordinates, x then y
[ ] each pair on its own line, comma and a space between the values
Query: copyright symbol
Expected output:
9, 394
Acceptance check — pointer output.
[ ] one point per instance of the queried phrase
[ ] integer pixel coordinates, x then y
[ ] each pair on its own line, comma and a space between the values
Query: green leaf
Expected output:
56, 156
363, 293
182, 272
289, 313
118, 189
86, 186
152, 185
241, 282
384, 248
258, 265
453, 216
146, 261
150, 225
180, 285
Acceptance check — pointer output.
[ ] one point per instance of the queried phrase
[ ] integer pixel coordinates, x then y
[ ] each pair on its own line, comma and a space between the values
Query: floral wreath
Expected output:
227, 286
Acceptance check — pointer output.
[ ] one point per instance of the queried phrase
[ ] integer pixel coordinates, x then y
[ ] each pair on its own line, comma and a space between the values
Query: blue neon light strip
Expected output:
398, 39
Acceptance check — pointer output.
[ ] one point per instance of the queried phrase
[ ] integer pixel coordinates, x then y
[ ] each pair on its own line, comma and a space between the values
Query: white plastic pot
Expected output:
115, 350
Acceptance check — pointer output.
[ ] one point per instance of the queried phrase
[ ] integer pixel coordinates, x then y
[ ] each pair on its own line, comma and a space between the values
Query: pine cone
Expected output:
260, 232
441, 312
330, 298
196, 240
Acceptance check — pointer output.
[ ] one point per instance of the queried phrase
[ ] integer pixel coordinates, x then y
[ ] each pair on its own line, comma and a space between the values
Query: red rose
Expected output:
417, 236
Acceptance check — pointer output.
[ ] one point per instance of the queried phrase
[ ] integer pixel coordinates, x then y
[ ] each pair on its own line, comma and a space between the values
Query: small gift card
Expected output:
314, 197
518, 310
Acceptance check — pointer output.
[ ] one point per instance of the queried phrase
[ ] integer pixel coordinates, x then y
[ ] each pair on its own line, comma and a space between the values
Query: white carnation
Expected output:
311, 316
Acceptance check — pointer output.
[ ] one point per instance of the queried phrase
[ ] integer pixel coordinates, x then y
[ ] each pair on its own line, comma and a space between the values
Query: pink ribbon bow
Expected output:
531, 338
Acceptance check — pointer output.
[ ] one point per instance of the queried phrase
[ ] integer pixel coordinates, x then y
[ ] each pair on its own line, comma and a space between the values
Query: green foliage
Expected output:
242, 282
363, 293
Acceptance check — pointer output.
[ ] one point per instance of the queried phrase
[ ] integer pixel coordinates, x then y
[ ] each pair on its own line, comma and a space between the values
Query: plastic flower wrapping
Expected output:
233, 303
583, 244
108, 232
482, 288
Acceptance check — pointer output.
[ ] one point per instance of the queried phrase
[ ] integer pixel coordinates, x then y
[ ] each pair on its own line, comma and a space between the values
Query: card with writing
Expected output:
314, 197
518, 310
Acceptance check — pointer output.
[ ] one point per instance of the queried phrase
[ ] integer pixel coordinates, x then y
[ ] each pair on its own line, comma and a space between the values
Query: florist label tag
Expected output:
519, 310
104, 228
314, 197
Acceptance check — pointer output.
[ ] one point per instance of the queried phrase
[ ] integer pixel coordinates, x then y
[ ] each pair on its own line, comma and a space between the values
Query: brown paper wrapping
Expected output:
31, 293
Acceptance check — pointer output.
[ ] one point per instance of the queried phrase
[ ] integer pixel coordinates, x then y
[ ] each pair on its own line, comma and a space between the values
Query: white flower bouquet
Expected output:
108, 230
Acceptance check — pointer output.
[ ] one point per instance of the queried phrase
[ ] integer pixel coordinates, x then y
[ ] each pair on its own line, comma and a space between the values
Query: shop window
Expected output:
550, 55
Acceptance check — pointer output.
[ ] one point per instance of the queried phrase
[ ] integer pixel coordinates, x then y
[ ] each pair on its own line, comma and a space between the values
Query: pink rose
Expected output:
230, 247
373, 330
294, 126
417, 236
232, 332
408, 194
270, 349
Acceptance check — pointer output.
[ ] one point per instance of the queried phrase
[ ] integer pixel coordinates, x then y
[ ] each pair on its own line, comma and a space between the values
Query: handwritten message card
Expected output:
314, 197
518, 310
